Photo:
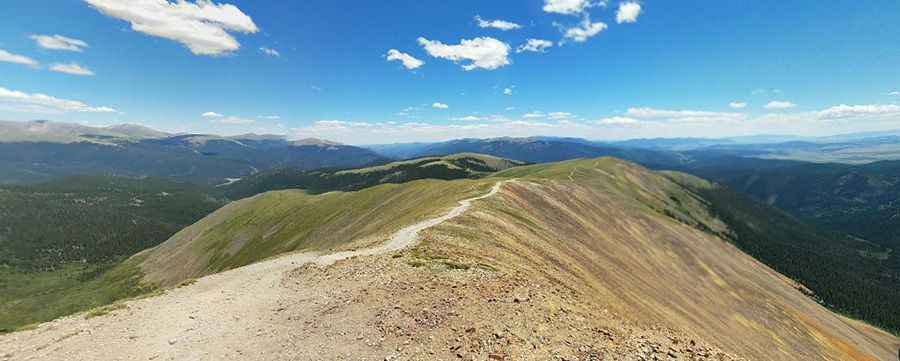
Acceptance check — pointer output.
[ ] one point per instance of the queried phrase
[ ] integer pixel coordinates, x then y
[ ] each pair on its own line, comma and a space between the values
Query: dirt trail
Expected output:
407, 236
221, 316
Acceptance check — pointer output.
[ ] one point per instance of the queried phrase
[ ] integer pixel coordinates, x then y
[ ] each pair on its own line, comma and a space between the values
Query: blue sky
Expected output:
628, 69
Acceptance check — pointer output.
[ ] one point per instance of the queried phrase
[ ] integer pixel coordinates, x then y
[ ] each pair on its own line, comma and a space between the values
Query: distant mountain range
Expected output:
532, 150
40, 151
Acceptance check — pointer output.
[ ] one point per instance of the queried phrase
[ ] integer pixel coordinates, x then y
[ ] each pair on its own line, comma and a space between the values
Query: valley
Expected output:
563, 256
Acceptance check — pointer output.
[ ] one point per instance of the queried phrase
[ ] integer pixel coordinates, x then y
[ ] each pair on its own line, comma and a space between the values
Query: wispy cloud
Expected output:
737, 105
779, 105
496, 24
72, 68
849, 111
42, 103
269, 51
534, 114
468, 118
226, 119
8, 57
618, 121
59, 42
439, 105
535, 45
407, 60
585, 30
634, 123
234, 121
681, 115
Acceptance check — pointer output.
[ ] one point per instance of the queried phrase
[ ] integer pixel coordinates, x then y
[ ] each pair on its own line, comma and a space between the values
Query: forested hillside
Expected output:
93, 219
457, 166
59, 240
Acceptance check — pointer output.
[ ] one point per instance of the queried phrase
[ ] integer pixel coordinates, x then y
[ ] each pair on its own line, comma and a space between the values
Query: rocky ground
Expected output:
396, 306
370, 308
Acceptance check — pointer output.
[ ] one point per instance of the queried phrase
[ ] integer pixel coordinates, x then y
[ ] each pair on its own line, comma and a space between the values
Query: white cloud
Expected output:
894, 92
618, 121
484, 53
634, 123
507, 91
71, 68
42, 103
468, 118
569, 7
849, 111
439, 106
59, 42
779, 104
368, 132
535, 45
628, 12
534, 114
509, 109
8, 57
269, 51
584, 30
270, 117
232, 120
560, 115
408, 61
496, 24
202, 26
738, 105
682, 115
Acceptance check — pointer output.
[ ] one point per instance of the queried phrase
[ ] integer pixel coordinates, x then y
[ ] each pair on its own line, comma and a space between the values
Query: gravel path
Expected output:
221, 316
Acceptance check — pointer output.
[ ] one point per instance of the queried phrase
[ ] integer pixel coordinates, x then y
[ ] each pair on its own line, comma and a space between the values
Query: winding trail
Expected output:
409, 235
221, 316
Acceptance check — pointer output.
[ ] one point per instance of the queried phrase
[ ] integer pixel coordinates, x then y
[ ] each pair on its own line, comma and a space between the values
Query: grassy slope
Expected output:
605, 228
28, 298
95, 219
277, 222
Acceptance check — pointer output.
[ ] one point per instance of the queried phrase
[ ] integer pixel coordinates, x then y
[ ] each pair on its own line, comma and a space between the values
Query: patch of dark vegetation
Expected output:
327, 180
827, 263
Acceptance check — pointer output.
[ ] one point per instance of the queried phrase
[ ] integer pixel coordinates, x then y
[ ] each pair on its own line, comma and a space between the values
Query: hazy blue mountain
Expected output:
40, 151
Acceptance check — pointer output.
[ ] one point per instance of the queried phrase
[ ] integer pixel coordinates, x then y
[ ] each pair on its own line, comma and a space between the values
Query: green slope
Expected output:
277, 222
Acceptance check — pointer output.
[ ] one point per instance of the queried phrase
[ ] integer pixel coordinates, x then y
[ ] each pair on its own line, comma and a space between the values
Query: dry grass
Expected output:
274, 223
626, 242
